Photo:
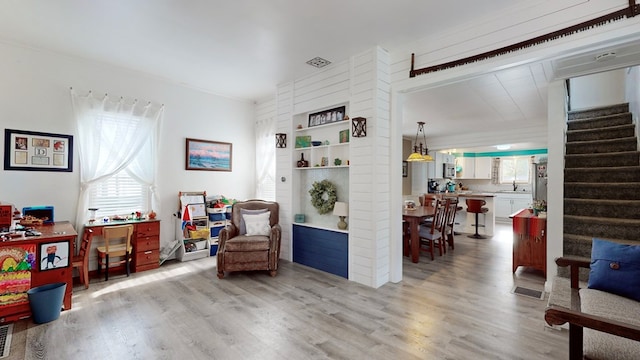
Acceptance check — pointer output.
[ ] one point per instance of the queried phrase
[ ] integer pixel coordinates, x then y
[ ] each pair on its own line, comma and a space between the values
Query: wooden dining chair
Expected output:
450, 220
432, 236
428, 200
117, 244
81, 261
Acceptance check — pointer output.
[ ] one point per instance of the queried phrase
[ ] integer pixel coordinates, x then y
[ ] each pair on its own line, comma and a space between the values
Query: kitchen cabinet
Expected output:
474, 168
436, 172
483, 168
529, 241
509, 203
467, 166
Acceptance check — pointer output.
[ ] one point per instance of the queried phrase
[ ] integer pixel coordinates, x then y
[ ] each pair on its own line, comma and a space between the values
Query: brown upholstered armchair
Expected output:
252, 241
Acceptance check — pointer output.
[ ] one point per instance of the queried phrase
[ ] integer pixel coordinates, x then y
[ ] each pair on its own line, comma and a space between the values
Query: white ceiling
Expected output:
512, 98
237, 48
243, 48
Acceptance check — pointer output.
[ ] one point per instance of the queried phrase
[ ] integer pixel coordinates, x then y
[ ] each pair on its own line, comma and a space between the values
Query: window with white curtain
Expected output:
121, 193
117, 147
266, 159
516, 169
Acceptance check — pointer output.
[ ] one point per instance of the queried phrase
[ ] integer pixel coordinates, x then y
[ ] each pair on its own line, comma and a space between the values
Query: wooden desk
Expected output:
145, 241
413, 217
15, 304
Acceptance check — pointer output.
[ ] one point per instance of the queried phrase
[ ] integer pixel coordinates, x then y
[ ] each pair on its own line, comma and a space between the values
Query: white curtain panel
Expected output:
266, 159
495, 171
105, 149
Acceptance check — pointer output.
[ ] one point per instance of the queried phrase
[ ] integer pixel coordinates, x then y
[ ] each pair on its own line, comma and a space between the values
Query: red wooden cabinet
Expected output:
146, 246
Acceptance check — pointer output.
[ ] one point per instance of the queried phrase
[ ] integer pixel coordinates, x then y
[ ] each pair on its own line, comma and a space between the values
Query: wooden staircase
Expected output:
601, 179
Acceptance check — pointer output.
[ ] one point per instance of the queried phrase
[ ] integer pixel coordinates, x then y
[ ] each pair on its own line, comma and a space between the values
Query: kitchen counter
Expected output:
464, 194
465, 222
475, 194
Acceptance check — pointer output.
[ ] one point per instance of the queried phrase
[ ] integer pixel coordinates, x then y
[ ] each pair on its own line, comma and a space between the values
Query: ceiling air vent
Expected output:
318, 62
605, 56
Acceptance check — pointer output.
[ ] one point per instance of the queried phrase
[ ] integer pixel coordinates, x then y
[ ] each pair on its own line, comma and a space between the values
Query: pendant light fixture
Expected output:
420, 153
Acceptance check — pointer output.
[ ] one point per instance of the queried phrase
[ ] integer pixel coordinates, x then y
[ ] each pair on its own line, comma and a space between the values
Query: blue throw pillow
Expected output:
615, 268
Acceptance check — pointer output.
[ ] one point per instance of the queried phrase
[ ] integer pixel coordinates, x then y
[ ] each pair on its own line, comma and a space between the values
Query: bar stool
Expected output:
476, 206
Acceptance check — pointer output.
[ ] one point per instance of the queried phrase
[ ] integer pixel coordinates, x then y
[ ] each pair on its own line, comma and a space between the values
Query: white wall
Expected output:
601, 89
362, 83
34, 95
632, 91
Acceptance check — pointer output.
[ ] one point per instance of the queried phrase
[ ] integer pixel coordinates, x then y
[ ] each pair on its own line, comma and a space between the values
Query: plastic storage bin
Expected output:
46, 302
213, 249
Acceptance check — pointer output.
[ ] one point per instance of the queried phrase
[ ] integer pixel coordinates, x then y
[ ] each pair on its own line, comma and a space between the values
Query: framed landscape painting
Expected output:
208, 155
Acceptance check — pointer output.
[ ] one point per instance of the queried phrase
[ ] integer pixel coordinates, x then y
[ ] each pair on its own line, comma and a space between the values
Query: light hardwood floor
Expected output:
459, 306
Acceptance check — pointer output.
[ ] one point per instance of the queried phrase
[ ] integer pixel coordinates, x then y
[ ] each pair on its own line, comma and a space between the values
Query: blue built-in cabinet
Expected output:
321, 249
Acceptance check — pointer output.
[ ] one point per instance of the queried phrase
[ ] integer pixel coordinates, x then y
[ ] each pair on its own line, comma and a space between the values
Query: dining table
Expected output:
413, 217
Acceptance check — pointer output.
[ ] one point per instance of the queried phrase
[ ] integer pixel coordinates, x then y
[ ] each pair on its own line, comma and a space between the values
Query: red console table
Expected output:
529, 241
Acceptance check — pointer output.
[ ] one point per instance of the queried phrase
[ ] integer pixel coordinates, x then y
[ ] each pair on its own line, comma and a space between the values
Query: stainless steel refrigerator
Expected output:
539, 183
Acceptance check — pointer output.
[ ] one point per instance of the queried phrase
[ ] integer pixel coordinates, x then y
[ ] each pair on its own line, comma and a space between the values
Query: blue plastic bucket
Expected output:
46, 302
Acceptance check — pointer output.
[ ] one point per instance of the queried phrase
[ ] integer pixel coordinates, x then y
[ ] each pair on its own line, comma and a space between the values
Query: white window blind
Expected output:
120, 194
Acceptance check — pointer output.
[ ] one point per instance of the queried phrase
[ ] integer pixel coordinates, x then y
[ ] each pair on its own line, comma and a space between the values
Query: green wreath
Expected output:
318, 200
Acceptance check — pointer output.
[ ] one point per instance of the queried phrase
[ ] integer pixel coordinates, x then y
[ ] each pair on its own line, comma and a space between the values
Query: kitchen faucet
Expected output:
515, 187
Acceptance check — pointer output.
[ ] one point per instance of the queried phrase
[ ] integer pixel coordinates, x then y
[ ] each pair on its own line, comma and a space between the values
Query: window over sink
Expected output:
515, 168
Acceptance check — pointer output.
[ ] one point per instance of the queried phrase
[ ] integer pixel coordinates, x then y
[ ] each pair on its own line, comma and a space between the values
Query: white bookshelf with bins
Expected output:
193, 244
219, 218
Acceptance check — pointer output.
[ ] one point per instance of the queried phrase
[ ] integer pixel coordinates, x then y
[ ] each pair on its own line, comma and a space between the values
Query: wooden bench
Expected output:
616, 318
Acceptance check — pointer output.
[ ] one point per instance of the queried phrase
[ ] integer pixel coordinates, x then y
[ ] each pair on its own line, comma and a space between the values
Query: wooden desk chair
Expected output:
81, 261
432, 236
117, 244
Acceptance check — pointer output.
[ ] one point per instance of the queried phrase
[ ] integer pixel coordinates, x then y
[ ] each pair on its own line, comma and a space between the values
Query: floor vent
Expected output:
5, 340
536, 294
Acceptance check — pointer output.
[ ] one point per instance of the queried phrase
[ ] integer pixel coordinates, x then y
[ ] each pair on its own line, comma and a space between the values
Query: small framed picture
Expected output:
344, 136
303, 141
405, 168
327, 116
37, 151
54, 255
